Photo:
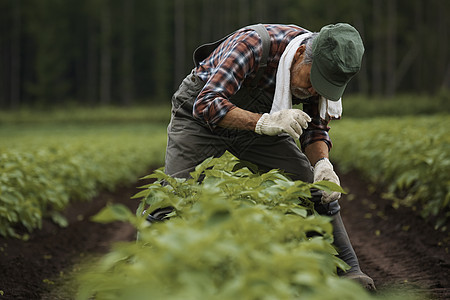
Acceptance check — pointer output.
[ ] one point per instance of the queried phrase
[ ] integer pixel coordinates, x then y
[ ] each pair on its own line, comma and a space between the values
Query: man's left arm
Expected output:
316, 144
316, 151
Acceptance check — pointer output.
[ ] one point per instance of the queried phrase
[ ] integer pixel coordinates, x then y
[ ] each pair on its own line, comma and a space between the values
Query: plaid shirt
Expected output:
234, 63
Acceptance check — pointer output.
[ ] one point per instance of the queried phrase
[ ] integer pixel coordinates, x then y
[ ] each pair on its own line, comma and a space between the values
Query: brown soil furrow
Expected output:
29, 269
399, 251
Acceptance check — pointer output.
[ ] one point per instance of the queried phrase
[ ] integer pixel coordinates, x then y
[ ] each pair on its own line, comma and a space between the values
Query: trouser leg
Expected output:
185, 150
347, 254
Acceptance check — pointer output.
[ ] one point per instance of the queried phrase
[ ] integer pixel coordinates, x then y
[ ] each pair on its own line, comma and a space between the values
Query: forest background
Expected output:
128, 52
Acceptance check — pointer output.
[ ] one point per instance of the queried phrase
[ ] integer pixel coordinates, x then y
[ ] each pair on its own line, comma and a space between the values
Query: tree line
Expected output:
94, 52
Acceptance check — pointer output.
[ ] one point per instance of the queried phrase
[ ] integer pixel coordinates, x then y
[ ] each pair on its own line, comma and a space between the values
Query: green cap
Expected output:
338, 51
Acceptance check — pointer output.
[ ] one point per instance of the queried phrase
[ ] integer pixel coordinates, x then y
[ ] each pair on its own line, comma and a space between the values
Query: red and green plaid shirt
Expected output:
235, 61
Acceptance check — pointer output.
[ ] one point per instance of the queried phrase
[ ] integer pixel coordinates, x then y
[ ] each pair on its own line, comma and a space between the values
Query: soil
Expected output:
400, 251
396, 247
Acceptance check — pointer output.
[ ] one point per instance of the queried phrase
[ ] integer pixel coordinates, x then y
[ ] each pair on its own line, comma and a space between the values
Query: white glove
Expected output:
323, 170
290, 121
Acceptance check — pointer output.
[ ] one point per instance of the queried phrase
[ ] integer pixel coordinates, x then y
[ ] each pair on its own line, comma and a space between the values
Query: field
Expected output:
44, 167
409, 156
402, 244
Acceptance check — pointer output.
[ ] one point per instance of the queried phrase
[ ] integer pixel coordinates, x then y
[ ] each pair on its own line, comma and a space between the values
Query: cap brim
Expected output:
323, 87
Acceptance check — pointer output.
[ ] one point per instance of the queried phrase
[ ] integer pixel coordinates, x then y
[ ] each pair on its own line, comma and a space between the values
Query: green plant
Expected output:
88, 115
356, 106
409, 156
233, 234
43, 169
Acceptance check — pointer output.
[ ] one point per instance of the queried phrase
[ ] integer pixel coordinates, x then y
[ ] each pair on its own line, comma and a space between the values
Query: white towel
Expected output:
283, 97
330, 110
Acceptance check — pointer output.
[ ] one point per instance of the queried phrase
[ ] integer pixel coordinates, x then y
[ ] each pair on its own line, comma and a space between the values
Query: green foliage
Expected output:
42, 169
409, 155
234, 235
404, 105
158, 114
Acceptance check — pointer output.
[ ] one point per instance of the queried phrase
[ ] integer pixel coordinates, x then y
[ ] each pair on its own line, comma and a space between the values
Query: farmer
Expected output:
239, 98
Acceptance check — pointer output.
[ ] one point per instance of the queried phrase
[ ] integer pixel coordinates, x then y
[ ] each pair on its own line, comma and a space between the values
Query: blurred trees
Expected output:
124, 51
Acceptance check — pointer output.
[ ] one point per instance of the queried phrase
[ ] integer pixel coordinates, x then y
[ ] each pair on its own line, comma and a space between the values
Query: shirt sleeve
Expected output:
318, 128
233, 61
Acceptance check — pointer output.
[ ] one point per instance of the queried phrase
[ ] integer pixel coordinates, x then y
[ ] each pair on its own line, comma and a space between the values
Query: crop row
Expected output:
79, 114
410, 156
42, 170
234, 235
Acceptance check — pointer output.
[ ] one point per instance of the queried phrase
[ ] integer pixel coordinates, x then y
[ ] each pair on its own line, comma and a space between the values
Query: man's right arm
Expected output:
238, 118
290, 121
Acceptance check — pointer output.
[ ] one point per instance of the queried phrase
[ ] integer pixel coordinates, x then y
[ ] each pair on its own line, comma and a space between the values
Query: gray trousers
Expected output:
190, 142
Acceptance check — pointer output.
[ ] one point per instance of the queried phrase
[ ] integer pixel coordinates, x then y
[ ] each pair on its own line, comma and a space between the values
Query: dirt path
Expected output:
396, 248
30, 270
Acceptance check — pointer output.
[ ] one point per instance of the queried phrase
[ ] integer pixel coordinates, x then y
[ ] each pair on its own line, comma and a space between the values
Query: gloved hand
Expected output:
290, 121
323, 170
